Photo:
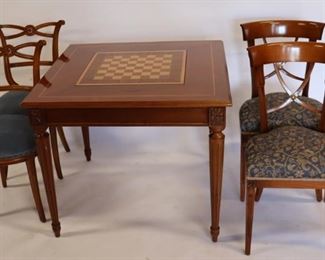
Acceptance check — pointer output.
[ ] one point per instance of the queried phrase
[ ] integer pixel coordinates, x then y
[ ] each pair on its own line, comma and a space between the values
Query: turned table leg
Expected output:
85, 136
44, 154
216, 149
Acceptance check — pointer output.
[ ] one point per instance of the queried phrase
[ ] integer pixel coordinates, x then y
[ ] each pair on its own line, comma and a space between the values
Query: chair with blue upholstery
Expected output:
288, 156
17, 139
260, 32
15, 92
10, 102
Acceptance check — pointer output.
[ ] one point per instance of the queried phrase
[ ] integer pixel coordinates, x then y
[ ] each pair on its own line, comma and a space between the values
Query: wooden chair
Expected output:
286, 156
17, 140
47, 31
278, 30
15, 92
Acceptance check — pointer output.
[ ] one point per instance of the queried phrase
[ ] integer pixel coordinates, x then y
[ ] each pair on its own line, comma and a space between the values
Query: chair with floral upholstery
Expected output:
276, 30
287, 156
17, 140
10, 102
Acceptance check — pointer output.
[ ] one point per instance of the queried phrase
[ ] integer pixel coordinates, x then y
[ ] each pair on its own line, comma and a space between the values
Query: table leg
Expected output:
217, 118
85, 136
216, 145
55, 150
44, 154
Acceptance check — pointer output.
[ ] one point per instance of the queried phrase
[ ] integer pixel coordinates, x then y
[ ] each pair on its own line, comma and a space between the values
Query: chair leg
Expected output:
242, 169
55, 150
63, 139
85, 135
258, 195
4, 174
319, 195
30, 163
250, 198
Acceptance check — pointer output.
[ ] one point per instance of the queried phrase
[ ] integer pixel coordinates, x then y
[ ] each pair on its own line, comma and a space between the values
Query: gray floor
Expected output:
145, 195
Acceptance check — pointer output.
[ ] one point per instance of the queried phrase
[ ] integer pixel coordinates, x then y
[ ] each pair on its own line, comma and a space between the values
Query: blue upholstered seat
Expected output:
16, 136
289, 152
10, 103
293, 114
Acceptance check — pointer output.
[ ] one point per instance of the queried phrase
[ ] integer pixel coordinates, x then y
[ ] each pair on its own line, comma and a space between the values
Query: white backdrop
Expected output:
158, 20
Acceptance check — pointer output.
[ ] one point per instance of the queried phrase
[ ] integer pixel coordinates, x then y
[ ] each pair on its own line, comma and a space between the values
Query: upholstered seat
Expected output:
287, 152
10, 103
16, 136
293, 114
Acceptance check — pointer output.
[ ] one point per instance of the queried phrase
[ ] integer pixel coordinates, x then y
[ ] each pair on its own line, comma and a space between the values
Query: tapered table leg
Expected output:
85, 136
216, 145
217, 119
55, 150
44, 154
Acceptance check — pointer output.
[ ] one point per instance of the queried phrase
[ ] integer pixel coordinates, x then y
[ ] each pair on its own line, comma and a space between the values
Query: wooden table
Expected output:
134, 84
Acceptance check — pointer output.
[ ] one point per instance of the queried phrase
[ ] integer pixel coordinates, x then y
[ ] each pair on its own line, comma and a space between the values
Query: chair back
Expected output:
276, 54
12, 33
279, 29
22, 51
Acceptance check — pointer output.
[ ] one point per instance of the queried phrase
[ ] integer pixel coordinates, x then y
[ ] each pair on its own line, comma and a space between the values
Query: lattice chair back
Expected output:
277, 53
265, 31
11, 33
22, 51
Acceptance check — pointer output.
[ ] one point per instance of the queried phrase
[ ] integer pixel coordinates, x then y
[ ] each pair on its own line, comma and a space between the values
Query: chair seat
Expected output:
292, 115
289, 152
16, 136
10, 103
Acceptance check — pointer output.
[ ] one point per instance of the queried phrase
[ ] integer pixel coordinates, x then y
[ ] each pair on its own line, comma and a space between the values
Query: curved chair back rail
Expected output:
297, 29
8, 51
282, 28
11, 31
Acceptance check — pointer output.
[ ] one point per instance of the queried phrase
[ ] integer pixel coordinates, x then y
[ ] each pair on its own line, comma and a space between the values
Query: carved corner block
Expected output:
217, 117
36, 117
38, 121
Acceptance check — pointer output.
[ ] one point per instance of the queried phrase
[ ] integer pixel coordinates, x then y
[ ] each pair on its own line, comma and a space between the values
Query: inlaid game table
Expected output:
134, 84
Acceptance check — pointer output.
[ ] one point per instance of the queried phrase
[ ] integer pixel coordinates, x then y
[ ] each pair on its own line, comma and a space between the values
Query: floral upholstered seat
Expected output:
293, 114
287, 152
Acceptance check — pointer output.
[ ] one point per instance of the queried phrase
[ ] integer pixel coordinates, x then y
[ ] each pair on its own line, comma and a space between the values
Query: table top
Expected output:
124, 75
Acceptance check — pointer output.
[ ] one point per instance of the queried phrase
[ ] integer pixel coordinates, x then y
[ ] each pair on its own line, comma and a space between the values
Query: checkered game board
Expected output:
141, 67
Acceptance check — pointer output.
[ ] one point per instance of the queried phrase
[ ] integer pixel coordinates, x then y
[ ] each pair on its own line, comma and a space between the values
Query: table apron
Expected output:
123, 117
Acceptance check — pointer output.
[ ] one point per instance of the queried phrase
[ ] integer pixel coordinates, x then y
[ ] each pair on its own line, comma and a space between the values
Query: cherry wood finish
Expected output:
267, 54
200, 101
47, 31
259, 32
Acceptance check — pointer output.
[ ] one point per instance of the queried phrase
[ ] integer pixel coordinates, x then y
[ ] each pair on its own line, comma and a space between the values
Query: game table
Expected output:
181, 83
